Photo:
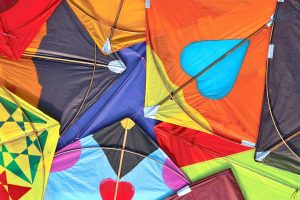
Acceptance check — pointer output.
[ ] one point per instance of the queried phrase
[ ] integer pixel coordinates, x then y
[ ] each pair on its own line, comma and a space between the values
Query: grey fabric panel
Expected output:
284, 91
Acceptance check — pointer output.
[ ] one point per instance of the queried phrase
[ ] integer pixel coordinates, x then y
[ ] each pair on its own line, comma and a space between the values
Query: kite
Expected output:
279, 136
200, 155
117, 162
206, 63
149, 99
28, 139
223, 183
125, 98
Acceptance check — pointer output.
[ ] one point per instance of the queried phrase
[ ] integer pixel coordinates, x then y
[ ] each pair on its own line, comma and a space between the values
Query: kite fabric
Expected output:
67, 85
20, 21
223, 184
117, 162
125, 98
28, 139
279, 136
149, 99
200, 155
206, 63
113, 24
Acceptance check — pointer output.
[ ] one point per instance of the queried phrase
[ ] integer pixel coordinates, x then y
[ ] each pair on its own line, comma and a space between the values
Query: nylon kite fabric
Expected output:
209, 154
114, 24
117, 162
28, 139
64, 78
223, 182
279, 136
125, 98
206, 63
20, 21
149, 99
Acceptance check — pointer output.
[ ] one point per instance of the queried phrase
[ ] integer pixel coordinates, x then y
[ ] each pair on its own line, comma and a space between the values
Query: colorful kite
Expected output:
125, 98
199, 155
222, 76
28, 139
117, 162
206, 63
279, 136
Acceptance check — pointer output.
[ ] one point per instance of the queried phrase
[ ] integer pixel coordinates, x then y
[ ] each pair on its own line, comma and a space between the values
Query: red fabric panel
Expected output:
219, 186
6, 4
20, 23
176, 141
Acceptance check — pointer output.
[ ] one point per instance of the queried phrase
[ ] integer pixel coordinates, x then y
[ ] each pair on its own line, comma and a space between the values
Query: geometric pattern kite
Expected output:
27, 143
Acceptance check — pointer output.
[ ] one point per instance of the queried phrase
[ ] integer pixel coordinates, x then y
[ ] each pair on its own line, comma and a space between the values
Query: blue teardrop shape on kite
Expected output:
219, 80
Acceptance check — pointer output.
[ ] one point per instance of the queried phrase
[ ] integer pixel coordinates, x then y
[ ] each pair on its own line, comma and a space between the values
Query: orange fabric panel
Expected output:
98, 17
20, 77
173, 25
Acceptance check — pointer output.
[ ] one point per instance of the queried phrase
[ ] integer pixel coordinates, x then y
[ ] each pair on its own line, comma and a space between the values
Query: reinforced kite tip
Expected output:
151, 111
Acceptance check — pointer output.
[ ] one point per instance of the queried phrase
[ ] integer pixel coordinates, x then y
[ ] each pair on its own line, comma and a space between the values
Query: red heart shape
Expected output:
107, 189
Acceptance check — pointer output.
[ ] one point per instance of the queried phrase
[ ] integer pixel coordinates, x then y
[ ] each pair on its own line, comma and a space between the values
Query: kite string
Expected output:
35, 132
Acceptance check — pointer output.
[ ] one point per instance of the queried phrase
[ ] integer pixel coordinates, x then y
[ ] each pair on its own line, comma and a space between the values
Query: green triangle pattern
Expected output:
9, 106
34, 162
14, 168
28, 141
24, 118
14, 155
1, 124
1, 159
25, 152
21, 125
43, 137
33, 118
4, 149
36, 144
10, 119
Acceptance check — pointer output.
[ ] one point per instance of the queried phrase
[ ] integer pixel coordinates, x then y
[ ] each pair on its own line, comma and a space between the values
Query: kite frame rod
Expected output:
283, 141
87, 91
31, 55
116, 20
228, 159
127, 151
173, 93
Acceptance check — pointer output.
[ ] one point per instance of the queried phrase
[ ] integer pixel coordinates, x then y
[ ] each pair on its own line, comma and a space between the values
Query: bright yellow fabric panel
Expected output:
170, 111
